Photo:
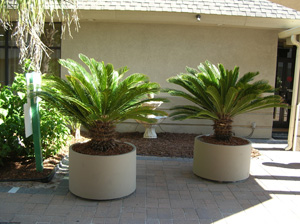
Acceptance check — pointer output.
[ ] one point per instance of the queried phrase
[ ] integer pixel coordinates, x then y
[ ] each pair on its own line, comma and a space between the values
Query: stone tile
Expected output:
18, 198
46, 219
152, 213
102, 221
108, 212
244, 195
126, 215
152, 202
174, 194
205, 213
26, 219
182, 203
85, 202
27, 208
132, 221
140, 215
11, 207
178, 213
23, 190
60, 210
164, 213
132, 201
152, 221
202, 195
185, 194
39, 209
78, 219
166, 221
164, 203
190, 214
170, 194
186, 222
158, 194
6, 217
4, 189
40, 199
229, 206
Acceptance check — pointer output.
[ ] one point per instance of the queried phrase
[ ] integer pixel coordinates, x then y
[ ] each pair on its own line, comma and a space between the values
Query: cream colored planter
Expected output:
102, 177
221, 162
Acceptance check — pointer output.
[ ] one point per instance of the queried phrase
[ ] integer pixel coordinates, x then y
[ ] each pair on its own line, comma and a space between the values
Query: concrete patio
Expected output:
168, 192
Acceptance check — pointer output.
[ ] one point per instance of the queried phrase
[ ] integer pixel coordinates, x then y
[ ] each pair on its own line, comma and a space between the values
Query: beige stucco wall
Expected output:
162, 50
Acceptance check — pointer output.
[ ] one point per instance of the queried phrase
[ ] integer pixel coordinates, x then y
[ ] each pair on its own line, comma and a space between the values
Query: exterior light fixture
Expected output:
198, 17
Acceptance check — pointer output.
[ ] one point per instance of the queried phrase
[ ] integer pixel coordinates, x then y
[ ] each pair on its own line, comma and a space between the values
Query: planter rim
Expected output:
198, 138
133, 149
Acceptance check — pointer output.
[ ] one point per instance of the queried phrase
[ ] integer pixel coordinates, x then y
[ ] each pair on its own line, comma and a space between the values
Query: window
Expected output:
9, 54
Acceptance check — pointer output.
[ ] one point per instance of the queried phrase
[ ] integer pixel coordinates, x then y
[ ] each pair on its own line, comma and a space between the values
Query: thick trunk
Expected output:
103, 136
223, 128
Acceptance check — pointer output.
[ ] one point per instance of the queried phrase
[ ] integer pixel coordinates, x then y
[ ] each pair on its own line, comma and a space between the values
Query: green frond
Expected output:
219, 94
215, 98
230, 98
179, 93
100, 95
191, 71
248, 77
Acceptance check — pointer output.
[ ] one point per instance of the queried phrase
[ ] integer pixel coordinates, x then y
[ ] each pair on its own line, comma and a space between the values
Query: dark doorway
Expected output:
284, 84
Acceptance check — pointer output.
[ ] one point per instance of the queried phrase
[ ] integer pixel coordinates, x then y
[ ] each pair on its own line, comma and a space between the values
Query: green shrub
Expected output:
13, 142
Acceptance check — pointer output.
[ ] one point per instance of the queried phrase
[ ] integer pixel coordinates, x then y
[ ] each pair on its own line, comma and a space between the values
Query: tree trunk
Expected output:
223, 128
103, 136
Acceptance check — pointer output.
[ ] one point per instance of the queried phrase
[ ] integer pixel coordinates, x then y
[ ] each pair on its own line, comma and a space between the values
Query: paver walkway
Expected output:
168, 192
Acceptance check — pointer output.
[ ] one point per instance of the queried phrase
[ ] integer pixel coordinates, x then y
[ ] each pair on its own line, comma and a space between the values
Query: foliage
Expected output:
13, 141
219, 95
100, 98
12, 138
54, 131
31, 17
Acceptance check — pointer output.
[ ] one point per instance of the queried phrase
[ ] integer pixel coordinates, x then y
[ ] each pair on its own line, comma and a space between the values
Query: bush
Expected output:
13, 142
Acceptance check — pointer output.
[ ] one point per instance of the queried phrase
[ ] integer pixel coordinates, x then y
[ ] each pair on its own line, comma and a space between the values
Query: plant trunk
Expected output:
223, 128
103, 136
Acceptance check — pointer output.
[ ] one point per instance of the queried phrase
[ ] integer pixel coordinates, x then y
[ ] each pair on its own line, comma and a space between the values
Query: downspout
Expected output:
293, 126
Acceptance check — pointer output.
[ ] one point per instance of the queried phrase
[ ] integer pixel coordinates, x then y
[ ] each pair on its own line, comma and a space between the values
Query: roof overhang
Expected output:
185, 19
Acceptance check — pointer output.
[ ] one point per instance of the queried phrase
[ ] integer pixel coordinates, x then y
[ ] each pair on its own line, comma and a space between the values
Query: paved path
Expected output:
168, 192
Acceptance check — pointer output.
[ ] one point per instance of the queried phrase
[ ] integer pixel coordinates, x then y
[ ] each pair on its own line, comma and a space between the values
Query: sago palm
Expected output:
100, 98
219, 95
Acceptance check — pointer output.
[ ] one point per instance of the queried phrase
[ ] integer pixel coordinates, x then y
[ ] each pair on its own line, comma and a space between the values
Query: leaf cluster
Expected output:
217, 93
13, 141
99, 94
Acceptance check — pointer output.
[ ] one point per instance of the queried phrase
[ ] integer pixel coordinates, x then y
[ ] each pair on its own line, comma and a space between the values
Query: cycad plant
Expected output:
100, 98
219, 95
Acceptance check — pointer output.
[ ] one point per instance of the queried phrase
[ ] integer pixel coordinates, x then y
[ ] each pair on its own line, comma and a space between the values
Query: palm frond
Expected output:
100, 95
219, 95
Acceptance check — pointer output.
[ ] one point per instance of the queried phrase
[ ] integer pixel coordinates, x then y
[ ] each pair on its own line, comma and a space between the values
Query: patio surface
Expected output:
168, 192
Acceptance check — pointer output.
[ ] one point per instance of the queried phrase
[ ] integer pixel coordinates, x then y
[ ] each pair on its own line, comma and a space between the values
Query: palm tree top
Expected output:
101, 94
219, 94
100, 97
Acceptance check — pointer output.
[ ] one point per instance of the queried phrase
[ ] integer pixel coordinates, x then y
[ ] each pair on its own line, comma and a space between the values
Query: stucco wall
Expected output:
162, 51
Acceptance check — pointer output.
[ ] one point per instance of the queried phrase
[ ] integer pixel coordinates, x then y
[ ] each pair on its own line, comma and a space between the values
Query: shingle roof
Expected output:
251, 8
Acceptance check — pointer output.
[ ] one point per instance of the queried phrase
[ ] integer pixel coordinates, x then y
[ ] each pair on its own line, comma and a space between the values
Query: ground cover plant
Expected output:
13, 142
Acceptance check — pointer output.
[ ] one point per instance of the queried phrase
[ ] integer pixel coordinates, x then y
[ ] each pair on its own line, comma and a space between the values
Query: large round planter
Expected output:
102, 177
222, 163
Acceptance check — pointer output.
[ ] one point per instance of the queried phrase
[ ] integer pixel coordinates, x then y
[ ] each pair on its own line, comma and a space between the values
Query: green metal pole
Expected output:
36, 131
